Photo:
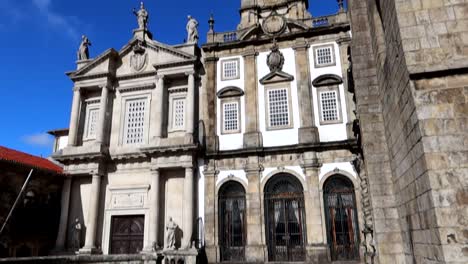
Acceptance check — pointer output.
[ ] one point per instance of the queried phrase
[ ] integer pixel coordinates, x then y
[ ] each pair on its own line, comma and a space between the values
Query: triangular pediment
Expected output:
276, 77
101, 65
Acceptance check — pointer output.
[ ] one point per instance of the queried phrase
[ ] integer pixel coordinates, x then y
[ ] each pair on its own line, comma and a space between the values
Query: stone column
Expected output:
154, 212
190, 107
74, 119
316, 248
157, 119
102, 114
188, 208
252, 136
93, 213
64, 206
308, 132
343, 43
211, 227
255, 248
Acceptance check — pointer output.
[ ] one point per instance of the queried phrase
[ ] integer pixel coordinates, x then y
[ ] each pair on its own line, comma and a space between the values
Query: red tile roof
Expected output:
18, 157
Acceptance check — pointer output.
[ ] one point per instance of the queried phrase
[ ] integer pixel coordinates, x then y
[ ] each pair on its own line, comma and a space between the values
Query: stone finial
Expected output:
83, 50
340, 5
211, 23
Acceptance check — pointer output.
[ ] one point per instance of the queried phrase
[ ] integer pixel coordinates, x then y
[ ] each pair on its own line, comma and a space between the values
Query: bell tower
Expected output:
252, 11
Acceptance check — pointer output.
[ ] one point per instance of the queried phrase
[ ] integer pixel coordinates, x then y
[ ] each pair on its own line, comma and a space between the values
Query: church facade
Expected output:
289, 139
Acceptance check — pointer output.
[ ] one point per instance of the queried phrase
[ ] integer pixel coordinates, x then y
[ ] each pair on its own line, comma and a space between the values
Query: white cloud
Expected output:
55, 19
41, 140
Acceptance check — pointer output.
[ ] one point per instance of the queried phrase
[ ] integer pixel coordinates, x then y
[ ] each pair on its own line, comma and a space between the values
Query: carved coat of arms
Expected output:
139, 58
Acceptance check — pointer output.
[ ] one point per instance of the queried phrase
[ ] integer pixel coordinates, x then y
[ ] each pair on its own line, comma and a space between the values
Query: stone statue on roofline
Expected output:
192, 30
142, 16
83, 50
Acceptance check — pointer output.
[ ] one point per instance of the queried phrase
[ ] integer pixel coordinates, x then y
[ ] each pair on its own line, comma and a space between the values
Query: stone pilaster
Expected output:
188, 208
316, 242
157, 117
343, 43
211, 227
190, 107
64, 206
210, 103
308, 132
102, 114
91, 228
255, 248
154, 211
252, 136
74, 119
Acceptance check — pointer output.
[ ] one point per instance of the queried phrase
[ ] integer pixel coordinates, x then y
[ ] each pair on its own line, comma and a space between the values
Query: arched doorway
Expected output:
341, 218
285, 218
231, 210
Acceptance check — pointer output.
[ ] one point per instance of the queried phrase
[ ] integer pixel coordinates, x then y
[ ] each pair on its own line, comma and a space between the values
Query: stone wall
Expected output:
405, 58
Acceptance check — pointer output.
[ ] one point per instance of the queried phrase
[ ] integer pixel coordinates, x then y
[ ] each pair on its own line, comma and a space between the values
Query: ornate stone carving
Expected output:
275, 59
192, 30
274, 24
142, 17
83, 51
139, 58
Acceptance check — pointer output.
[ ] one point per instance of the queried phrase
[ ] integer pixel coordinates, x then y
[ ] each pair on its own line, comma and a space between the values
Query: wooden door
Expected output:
127, 234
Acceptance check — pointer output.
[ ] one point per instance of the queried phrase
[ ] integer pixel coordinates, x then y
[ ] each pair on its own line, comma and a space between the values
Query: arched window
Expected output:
285, 219
232, 235
341, 218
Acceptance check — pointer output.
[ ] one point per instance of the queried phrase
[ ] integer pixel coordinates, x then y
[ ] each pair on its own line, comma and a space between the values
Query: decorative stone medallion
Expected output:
139, 58
275, 59
274, 24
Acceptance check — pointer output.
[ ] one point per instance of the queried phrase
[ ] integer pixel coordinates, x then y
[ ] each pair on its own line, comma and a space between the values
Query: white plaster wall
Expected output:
281, 137
237, 174
62, 142
342, 166
296, 169
231, 141
333, 132
201, 190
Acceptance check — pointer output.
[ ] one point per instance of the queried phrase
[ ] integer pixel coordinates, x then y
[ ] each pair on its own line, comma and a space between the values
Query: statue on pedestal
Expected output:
170, 234
142, 16
76, 235
83, 51
192, 30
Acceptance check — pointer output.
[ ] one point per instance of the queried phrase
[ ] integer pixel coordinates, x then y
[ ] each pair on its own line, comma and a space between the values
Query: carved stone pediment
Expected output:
230, 91
327, 80
276, 77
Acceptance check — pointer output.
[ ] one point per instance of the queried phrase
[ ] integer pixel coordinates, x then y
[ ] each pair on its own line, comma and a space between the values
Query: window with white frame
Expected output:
135, 116
230, 69
329, 103
178, 113
231, 116
278, 106
324, 56
92, 117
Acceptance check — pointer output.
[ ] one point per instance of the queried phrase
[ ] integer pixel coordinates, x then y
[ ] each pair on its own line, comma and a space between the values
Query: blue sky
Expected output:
39, 39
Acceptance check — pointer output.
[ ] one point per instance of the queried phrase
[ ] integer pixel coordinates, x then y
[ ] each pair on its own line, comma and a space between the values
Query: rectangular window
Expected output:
324, 56
278, 108
135, 111
231, 117
178, 113
329, 105
230, 69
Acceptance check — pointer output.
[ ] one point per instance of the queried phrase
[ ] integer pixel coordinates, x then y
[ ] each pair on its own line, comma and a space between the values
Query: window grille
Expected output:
324, 56
178, 113
278, 107
230, 69
135, 121
231, 116
329, 104
92, 120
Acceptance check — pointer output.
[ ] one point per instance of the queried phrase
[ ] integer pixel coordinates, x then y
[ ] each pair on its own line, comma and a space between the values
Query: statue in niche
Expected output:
192, 30
142, 16
83, 51
76, 234
171, 228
